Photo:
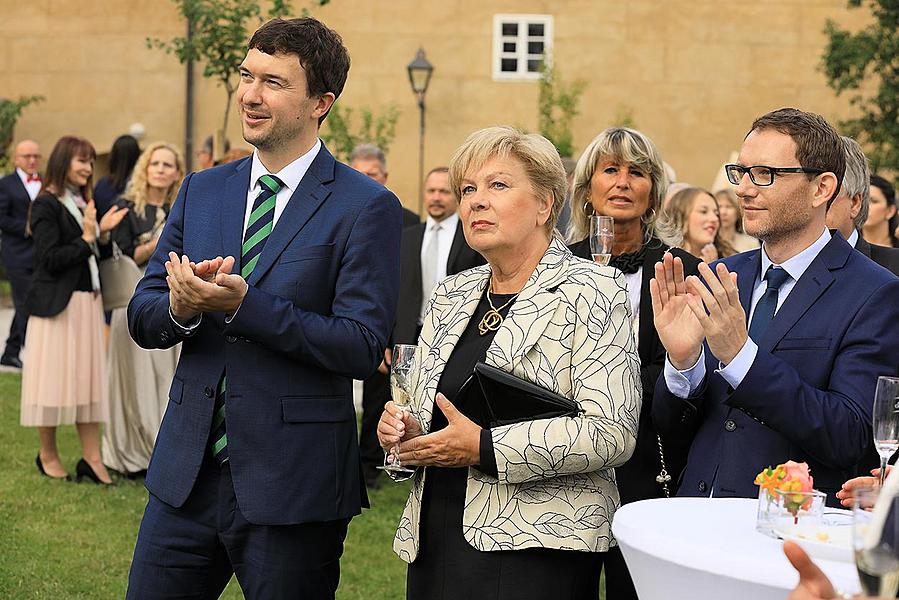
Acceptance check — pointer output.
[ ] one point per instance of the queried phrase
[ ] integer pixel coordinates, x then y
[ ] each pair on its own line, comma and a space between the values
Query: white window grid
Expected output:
519, 46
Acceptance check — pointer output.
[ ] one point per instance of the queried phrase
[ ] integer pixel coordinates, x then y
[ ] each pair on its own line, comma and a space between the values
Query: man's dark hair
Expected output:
319, 48
818, 145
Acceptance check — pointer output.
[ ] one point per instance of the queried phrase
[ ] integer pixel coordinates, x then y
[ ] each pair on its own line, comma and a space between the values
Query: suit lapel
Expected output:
415, 260
455, 249
303, 203
816, 279
234, 197
747, 271
532, 311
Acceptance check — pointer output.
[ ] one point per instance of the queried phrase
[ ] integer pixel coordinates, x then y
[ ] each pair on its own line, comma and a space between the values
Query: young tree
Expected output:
857, 62
10, 111
219, 37
376, 129
557, 107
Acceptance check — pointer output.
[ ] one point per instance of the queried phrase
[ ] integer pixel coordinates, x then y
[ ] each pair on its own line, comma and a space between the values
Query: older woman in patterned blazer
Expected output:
524, 510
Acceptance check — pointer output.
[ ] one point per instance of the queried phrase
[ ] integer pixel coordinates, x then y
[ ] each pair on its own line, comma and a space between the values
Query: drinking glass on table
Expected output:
875, 540
403, 373
886, 420
602, 234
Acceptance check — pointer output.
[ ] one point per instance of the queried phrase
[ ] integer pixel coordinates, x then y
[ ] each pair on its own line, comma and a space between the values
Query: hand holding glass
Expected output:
602, 234
886, 420
403, 372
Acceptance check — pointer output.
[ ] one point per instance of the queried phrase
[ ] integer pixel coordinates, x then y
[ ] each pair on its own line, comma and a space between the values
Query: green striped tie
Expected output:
259, 227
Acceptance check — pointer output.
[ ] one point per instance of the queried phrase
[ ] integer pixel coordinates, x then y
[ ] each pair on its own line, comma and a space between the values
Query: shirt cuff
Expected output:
189, 327
487, 457
735, 372
683, 383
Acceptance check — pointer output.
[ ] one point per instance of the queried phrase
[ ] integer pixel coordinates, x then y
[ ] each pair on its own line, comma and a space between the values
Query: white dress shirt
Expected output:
32, 187
290, 177
683, 383
444, 241
853, 238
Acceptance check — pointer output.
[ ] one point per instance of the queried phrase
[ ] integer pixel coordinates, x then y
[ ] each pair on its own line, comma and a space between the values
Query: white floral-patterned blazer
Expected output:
568, 331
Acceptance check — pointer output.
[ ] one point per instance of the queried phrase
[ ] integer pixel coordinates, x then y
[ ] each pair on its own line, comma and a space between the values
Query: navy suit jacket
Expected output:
318, 313
809, 394
17, 247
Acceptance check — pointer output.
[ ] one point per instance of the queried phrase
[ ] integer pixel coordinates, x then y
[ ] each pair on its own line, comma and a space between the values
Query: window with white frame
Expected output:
520, 43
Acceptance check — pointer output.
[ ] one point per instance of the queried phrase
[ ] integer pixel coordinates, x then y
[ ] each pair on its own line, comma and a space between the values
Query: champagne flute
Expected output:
886, 420
403, 371
602, 234
874, 540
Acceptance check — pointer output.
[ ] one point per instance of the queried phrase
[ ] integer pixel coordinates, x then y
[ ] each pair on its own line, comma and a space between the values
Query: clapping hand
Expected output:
112, 218
213, 290
678, 328
718, 310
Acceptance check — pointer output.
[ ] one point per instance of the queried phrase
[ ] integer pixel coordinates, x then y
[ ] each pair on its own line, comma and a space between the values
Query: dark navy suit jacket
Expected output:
809, 393
17, 247
318, 313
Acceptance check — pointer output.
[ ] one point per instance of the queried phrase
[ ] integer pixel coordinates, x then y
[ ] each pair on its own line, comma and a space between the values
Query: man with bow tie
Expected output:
17, 190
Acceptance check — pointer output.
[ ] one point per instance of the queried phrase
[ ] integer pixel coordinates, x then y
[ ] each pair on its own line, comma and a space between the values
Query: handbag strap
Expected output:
663, 477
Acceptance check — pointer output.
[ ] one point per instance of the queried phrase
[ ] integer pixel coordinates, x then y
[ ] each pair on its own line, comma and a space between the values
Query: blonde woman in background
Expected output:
692, 215
138, 378
731, 217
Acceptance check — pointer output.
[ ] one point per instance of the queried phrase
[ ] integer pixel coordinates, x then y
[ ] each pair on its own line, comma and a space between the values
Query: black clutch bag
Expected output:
496, 398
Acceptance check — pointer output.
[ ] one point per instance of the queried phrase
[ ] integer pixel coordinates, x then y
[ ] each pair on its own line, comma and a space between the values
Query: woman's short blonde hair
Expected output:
136, 190
540, 159
625, 146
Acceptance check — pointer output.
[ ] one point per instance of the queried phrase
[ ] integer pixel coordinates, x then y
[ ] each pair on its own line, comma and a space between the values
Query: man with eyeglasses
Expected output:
17, 191
775, 354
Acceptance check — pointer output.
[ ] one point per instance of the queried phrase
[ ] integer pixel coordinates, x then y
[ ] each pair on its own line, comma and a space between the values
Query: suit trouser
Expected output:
191, 551
375, 394
20, 282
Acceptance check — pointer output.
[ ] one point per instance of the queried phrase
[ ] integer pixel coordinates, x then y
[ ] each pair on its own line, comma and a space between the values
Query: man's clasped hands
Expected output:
207, 286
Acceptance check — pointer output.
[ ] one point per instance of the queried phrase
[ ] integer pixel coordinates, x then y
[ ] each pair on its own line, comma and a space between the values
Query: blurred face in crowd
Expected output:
702, 222
780, 210
842, 211
27, 156
162, 170
727, 212
80, 170
276, 112
439, 201
620, 191
204, 159
371, 167
500, 211
879, 210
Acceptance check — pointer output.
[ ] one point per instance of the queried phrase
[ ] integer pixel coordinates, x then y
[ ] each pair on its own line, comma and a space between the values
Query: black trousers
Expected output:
375, 394
192, 551
20, 282
619, 585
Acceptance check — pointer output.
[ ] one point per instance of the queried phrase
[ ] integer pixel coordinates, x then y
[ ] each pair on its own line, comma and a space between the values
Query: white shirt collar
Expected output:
797, 265
853, 238
291, 175
448, 224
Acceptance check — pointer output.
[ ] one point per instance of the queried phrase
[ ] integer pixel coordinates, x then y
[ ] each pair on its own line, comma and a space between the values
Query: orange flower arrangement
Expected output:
791, 482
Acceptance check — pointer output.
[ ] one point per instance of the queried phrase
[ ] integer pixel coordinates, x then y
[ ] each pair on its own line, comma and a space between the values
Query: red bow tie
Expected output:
30, 178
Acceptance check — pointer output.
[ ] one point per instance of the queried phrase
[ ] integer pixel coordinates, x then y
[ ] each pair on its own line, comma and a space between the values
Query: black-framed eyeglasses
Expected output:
763, 175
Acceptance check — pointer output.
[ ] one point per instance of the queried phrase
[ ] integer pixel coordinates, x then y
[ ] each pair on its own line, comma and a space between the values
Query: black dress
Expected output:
447, 567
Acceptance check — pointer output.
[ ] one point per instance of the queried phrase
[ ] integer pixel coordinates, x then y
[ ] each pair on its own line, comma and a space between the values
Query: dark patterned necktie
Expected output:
259, 227
767, 305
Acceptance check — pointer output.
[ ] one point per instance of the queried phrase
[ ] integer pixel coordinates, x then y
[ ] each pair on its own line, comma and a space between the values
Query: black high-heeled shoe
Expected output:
40, 468
82, 470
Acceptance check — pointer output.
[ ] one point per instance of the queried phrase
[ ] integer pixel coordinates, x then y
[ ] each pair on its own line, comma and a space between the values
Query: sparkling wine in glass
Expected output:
874, 540
403, 371
602, 234
886, 420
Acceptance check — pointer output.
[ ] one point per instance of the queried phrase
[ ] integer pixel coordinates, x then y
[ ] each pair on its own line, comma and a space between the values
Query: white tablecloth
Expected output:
694, 548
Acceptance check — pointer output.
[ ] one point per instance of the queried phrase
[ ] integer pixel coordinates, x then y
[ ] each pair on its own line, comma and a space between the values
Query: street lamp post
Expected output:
419, 77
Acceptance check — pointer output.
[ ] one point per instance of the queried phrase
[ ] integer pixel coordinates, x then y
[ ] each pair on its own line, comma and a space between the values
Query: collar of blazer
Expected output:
455, 302
303, 203
813, 282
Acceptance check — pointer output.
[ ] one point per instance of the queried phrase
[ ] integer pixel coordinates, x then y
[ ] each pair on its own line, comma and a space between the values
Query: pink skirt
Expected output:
64, 380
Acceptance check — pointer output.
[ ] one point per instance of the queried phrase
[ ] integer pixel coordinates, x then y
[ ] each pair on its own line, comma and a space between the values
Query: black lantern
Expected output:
419, 77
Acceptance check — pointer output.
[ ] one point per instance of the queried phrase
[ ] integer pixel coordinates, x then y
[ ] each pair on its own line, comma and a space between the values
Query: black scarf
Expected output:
630, 262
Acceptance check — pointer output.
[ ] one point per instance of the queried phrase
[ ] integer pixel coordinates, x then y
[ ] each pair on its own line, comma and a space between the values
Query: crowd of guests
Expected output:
57, 227
731, 331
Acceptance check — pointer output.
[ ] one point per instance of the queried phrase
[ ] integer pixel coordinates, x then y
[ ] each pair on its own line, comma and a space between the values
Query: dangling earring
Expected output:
648, 216
590, 204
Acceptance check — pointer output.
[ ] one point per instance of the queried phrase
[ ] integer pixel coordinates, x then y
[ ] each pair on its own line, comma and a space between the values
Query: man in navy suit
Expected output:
776, 356
256, 467
17, 191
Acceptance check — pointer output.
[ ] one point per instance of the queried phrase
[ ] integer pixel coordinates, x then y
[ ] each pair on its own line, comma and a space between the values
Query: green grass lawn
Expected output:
63, 540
